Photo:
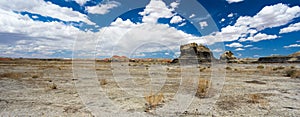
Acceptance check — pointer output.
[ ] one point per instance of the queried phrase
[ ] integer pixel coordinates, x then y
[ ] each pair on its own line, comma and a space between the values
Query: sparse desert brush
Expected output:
168, 69
292, 67
203, 86
258, 99
264, 104
254, 98
202, 69
11, 75
260, 67
35, 76
52, 86
103, 82
228, 68
153, 100
293, 73
278, 68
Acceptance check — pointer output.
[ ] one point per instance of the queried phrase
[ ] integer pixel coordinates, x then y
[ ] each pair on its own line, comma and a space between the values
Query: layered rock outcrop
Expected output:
193, 54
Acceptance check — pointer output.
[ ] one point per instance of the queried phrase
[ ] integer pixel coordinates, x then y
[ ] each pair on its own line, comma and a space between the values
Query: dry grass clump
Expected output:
293, 73
292, 67
257, 98
103, 82
52, 86
254, 98
203, 87
13, 75
168, 68
202, 69
153, 100
278, 68
260, 67
35, 76
228, 68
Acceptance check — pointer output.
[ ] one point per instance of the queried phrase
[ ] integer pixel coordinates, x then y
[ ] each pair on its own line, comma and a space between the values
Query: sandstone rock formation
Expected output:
227, 55
296, 54
193, 54
295, 57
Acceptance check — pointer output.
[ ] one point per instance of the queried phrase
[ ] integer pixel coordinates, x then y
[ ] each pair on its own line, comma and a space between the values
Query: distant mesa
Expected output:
117, 58
5, 59
292, 58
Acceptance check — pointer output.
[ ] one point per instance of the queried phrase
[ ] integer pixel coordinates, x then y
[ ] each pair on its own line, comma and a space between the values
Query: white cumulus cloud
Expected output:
234, 1
292, 46
223, 19
290, 28
81, 2
203, 24
230, 15
248, 28
270, 16
45, 9
239, 49
102, 8
176, 19
247, 46
154, 10
182, 24
259, 37
234, 45
192, 15
174, 5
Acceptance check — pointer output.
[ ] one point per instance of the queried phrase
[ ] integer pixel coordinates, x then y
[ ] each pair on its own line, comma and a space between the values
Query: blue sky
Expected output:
147, 28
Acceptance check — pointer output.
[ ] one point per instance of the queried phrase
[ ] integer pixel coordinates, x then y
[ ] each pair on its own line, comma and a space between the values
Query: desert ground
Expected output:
90, 88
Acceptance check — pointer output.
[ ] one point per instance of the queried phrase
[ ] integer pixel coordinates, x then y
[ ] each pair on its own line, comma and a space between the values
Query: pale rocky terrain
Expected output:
89, 88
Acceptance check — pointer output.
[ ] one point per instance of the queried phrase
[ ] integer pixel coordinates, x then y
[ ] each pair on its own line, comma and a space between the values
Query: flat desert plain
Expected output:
92, 88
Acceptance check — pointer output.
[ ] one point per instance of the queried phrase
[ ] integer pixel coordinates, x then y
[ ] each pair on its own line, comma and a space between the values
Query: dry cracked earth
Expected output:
63, 88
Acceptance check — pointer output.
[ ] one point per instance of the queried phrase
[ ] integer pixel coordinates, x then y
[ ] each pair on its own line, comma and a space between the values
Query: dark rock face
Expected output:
193, 54
274, 59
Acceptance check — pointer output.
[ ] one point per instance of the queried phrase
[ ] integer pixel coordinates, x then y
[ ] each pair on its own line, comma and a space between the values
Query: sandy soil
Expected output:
89, 88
